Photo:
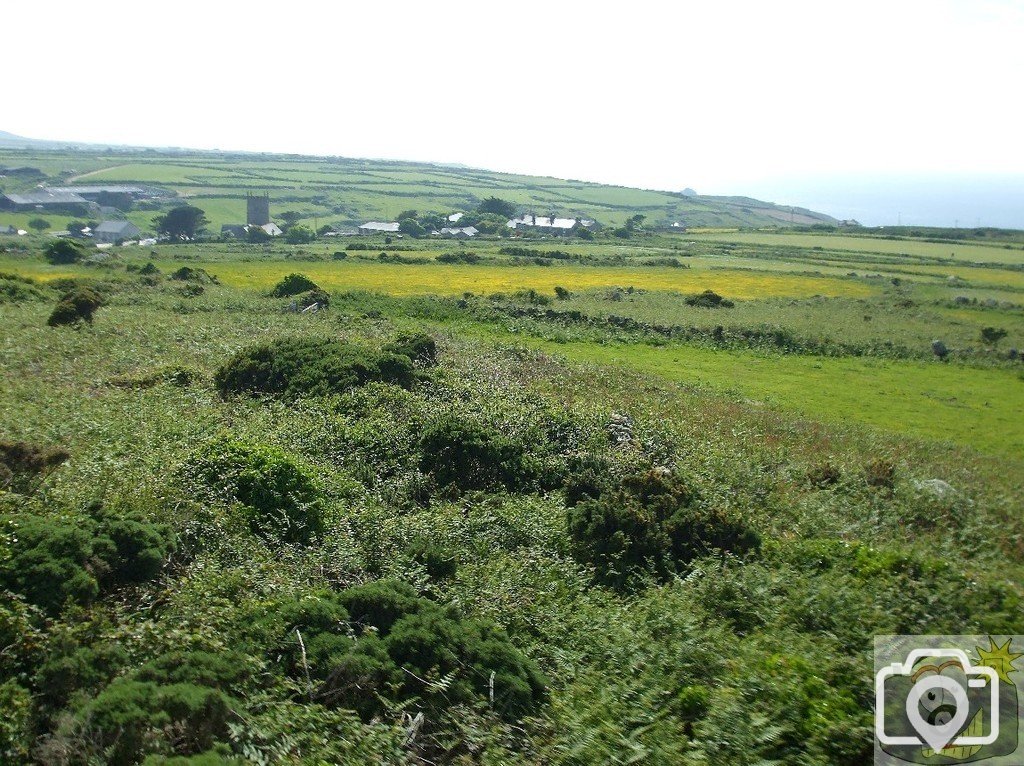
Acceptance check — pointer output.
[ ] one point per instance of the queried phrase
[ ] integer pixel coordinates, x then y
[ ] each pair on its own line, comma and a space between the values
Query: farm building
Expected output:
455, 217
112, 232
551, 224
465, 232
379, 227
239, 231
42, 198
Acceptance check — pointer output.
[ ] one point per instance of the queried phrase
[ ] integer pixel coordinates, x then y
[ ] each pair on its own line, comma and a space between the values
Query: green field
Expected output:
955, 251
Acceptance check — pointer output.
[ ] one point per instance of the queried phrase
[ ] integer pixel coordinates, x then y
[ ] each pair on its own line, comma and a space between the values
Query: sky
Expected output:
795, 102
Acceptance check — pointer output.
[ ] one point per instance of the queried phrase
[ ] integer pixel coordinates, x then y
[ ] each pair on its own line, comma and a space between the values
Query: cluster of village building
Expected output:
90, 200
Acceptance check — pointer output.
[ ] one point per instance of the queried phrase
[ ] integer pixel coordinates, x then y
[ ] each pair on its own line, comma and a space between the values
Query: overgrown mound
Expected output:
75, 306
654, 523
278, 498
293, 284
23, 465
54, 560
292, 367
419, 347
709, 299
408, 651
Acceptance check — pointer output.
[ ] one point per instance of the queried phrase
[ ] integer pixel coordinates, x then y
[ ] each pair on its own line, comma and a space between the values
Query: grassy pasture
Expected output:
964, 252
983, 409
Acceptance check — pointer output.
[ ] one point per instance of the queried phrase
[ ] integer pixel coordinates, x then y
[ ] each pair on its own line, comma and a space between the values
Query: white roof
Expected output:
545, 223
454, 217
469, 231
390, 226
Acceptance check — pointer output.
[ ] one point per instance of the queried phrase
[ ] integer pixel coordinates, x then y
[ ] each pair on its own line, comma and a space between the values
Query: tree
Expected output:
290, 217
184, 222
497, 206
39, 224
406, 214
63, 251
300, 235
76, 228
411, 227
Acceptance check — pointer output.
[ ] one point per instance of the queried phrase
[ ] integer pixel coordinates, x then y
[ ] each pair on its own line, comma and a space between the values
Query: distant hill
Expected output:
348, 191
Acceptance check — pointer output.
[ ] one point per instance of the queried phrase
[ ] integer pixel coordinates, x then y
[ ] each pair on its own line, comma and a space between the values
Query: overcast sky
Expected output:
724, 97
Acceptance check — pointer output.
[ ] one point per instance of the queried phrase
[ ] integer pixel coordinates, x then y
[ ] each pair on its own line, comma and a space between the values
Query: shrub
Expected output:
412, 651
880, 473
438, 562
78, 305
279, 499
472, 456
823, 474
22, 465
63, 251
709, 299
562, 294
321, 298
55, 560
291, 367
652, 522
461, 257
293, 284
991, 336
419, 347
189, 274
129, 717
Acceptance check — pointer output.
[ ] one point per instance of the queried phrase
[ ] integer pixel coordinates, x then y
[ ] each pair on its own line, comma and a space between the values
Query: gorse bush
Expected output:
54, 560
407, 651
75, 306
179, 705
651, 523
279, 499
292, 367
709, 299
293, 284
419, 347
464, 453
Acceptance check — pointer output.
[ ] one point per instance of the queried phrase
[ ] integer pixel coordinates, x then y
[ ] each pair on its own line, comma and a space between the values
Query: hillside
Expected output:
349, 191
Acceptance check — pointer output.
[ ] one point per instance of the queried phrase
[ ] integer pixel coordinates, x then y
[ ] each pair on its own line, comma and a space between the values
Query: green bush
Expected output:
464, 453
293, 284
293, 367
408, 650
189, 274
126, 720
319, 297
63, 251
279, 499
419, 347
78, 305
709, 299
55, 560
651, 523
